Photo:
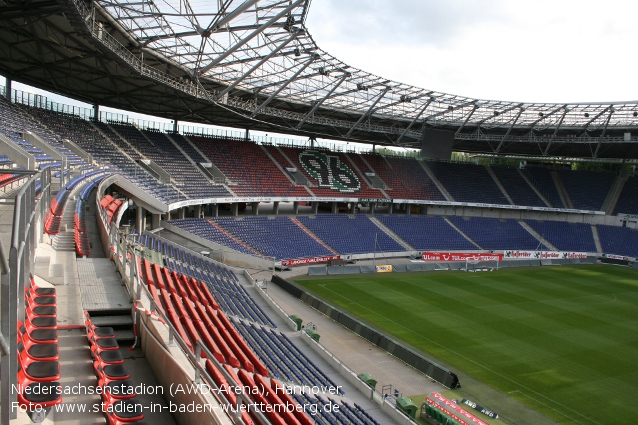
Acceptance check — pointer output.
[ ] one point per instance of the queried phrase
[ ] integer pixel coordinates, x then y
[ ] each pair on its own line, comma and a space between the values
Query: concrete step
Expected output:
113, 320
56, 274
124, 335
42, 265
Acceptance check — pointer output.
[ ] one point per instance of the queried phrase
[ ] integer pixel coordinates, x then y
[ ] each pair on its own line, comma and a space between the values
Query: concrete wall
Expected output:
223, 253
170, 373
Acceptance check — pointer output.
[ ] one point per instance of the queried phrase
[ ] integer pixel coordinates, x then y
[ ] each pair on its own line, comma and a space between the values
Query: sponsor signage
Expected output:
458, 409
618, 257
480, 408
542, 255
385, 268
447, 412
310, 260
373, 200
460, 256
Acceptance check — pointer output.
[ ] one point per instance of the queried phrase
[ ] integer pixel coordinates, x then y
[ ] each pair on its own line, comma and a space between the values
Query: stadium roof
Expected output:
253, 64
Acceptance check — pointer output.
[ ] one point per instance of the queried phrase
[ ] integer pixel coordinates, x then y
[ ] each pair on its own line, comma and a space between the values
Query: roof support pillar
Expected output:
318, 104
7, 89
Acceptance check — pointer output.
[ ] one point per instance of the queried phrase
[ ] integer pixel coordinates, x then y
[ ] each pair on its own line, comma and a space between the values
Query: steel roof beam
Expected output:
146, 40
398, 102
600, 139
318, 104
249, 37
500, 145
484, 120
257, 65
454, 108
551, 140
284, 85
254, 58
381, 95
214, 26
544, 116
600, 114
430, 100
476, 106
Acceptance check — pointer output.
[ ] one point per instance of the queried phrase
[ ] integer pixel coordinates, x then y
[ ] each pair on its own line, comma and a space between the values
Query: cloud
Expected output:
523, 50
406, 22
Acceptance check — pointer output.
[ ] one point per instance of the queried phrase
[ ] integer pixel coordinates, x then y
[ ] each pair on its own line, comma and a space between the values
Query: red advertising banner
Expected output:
458, 409
447, 412
311, 260
460, 256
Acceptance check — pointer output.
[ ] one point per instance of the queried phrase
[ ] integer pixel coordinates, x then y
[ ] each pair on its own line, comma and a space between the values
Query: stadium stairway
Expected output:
186, 155
362, 173
65, 240
614, 194
499, 185
312, 235
562, 190
235, 238
538, 236
436, 181
534, 188
278, 165
390, 233
463, 233
594, 231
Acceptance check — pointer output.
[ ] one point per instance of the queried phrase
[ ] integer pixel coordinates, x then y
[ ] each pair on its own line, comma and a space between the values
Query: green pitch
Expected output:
563, 340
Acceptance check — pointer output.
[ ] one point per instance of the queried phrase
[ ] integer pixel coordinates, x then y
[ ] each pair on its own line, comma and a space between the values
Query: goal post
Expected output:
473, 265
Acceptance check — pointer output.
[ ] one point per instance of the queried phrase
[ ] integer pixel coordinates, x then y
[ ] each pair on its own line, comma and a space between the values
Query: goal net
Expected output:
480, 265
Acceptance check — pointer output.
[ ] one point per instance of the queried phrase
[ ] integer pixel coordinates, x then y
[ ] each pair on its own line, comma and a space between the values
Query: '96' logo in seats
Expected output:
329, 171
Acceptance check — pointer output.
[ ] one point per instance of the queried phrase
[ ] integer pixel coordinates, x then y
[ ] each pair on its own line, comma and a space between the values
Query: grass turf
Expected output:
563, 340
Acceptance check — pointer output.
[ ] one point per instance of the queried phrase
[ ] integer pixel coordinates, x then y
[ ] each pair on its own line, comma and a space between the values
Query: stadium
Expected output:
442, 260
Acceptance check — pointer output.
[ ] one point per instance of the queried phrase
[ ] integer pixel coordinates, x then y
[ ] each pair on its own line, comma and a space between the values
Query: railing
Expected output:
126, 254
534, 139
26, 234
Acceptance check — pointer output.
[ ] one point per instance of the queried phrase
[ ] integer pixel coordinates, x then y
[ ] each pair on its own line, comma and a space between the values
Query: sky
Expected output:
559, 51
515, 50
